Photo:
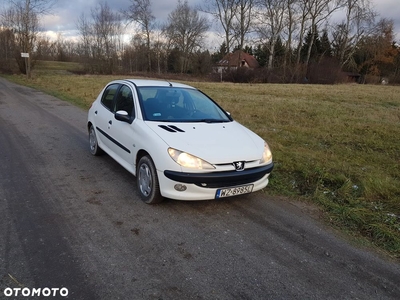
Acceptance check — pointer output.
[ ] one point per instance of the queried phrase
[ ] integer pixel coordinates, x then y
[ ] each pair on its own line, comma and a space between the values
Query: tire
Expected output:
147, 181
93, 144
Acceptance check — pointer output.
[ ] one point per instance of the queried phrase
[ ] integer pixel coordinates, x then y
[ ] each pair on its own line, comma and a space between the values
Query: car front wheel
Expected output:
147, 181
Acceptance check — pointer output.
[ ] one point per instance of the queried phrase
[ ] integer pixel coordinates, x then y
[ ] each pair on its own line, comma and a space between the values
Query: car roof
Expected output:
152, 82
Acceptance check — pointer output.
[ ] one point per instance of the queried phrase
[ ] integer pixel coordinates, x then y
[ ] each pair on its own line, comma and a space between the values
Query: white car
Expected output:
177, 141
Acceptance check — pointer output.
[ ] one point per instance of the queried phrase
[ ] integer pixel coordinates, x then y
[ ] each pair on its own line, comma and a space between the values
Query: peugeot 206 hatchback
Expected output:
177, 141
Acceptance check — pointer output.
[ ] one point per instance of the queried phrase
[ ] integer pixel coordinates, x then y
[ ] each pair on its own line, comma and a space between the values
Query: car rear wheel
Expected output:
147, 181
93, 144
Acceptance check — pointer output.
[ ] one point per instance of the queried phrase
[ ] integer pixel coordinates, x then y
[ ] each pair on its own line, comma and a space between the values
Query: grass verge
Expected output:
337, 145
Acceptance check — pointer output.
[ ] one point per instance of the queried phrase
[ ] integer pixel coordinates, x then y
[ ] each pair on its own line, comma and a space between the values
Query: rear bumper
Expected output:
220, 179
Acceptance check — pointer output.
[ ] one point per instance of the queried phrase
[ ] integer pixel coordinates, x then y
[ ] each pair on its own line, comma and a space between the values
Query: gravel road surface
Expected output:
73, 221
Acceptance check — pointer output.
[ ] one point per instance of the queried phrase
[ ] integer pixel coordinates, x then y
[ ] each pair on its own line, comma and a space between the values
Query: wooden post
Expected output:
27, 64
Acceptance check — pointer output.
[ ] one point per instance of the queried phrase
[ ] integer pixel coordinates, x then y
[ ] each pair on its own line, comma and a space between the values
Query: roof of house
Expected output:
234, 59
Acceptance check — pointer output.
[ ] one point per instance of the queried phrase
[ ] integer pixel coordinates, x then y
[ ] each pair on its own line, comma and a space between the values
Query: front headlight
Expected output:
189, 161
267, 155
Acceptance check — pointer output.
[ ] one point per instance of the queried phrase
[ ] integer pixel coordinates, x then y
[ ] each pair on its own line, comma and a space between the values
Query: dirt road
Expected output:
70, 220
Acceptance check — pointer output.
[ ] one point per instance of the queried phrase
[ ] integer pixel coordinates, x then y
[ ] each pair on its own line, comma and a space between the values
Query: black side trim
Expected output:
113, 140
221, 179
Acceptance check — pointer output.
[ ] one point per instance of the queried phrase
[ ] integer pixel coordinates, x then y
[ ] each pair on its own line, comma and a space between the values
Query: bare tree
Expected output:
271, 21
358, 18
186, 30
86, 39
140, 12
244, 17
303, 12
6, 49
45, 49
224, 11
290, 25
159, 49
319, 11
22, 17
101, 38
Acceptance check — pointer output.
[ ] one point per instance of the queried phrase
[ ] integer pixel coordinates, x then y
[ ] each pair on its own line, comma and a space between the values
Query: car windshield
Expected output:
172, 104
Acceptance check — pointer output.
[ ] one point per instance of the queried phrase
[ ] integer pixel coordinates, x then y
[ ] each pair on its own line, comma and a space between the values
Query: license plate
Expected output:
234, 191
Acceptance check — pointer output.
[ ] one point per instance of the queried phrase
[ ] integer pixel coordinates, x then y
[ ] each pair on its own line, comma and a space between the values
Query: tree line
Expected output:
293, 40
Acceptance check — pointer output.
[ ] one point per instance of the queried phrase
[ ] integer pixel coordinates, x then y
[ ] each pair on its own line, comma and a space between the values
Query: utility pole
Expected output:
26, 42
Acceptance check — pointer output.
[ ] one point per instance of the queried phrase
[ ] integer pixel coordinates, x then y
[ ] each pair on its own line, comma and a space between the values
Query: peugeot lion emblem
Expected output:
239, 165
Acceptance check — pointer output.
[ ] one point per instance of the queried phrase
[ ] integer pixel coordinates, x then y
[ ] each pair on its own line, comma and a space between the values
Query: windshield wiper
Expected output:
162, 120
212, 121
190, 121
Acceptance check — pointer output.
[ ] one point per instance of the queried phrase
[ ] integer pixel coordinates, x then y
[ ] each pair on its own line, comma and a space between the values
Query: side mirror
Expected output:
123, 116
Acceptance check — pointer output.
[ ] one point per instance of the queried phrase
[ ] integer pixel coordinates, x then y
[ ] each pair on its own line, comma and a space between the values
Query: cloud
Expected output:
67, 12
388, 9
65, 15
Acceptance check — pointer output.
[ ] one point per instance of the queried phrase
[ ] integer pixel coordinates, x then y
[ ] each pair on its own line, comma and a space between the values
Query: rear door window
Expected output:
108, 96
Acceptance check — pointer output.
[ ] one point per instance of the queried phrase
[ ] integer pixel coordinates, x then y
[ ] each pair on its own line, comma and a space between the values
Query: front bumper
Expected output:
204, 186
220, 179
197, 191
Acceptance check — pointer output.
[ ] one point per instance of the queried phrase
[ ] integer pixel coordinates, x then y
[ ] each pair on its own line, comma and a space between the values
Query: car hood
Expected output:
216, 143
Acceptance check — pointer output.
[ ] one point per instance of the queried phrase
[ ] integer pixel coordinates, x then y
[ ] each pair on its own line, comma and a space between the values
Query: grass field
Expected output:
337, 145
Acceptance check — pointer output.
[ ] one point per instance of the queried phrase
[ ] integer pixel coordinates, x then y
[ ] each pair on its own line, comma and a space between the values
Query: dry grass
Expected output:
337, 145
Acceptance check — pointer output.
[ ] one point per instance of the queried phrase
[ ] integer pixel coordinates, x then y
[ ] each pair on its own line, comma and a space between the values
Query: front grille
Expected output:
215, 185
220, 179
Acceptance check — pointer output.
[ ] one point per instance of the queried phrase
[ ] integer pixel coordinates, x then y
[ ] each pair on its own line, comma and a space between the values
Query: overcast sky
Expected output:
66, 12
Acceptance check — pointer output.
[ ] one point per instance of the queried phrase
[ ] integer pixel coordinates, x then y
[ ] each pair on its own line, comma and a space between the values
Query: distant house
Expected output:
352, 77
235, 60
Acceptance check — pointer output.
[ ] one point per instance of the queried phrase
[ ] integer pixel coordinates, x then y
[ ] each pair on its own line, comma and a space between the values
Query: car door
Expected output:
104, 115
123, 131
